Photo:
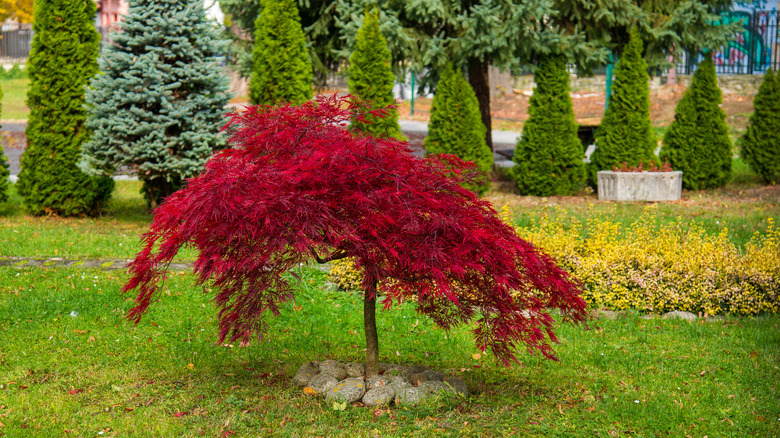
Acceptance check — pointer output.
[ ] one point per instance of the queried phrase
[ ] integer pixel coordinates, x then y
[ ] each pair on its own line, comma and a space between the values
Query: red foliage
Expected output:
296, 183
644, 167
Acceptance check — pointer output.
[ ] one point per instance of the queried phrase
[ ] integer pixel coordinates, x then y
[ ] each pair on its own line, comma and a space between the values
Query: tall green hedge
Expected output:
4, 169
371, 79
62, 58
282, 69
549, 154
697, 141
456, 127
761, 142
626, 132
159, 105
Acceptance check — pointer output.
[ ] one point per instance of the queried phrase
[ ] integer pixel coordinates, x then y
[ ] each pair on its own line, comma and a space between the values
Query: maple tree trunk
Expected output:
480, 82
369, 325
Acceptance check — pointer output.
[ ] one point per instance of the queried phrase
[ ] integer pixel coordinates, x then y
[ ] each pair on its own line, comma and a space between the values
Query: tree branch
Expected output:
335, 255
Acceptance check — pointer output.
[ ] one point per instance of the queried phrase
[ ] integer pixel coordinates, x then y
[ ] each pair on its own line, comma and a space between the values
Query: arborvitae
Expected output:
456, 126
282, 68
761, 142
697, 141
62, 58
159, 105
549, 154
371, 78
4, 169
626, 132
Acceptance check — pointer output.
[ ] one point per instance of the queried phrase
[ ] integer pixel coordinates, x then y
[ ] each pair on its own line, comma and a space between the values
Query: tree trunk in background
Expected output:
480, 82
369, 325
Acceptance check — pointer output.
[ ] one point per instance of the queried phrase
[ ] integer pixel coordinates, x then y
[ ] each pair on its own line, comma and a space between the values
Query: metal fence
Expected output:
752, 51
15, 44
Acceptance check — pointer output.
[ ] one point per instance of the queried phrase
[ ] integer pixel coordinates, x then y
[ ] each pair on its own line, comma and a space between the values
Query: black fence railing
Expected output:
753, 50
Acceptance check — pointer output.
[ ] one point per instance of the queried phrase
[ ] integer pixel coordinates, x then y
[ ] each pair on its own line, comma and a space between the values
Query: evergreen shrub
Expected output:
159, 105
626, 132
371, 79
4, 168
62, 58
761, 142
549, 154
697, 142
456, 127
282, 70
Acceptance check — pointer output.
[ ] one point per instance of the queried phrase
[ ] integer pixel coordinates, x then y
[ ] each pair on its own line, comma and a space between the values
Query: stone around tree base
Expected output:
688, 316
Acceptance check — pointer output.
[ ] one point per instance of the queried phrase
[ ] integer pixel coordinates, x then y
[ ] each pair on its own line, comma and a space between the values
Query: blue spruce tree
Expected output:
159, 105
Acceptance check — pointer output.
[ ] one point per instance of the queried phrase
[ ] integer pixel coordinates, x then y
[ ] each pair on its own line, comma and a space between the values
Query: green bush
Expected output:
15, 72
282, 68
4, 169
62, 58
371, 79
697, 141
456, 127
159, 105
549, 154
626, 132
761, 142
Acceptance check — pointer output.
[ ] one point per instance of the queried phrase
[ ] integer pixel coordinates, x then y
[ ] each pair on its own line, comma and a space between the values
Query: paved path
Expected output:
58, 262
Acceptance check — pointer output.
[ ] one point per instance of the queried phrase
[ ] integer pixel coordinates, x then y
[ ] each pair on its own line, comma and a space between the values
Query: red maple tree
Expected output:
298, 186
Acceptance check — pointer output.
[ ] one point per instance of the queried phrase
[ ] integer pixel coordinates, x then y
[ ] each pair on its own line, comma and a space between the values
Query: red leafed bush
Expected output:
298, 186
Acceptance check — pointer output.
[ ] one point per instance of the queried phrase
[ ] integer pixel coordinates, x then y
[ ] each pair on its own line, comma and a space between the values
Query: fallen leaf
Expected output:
309, 390
191, 366
80, 332
75, 391
180, 414
753, 355
476, 356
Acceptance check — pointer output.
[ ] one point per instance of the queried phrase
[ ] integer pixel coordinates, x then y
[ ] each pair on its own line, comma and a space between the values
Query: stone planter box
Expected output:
639, 186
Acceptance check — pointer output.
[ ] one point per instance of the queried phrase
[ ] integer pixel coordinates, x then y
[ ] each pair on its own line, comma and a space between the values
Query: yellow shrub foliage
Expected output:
649, 268
659, 269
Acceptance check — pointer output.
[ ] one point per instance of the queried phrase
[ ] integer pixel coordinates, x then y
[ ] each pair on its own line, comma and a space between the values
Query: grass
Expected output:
14, 98
71, 362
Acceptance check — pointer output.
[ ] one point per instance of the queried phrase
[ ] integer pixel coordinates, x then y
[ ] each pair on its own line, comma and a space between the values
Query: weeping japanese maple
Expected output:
297, 186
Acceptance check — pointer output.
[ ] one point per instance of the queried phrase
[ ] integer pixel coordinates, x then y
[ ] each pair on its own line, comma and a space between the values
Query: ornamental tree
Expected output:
456, 127
761, 141
697, 141
626, 131
159, 105
371, 79
281, 70
549, 154
63, 57
298, 186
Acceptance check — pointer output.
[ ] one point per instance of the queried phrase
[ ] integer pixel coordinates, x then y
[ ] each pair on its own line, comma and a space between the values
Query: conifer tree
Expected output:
62, 58
626, 132
456, 127
4, 172
371, 79
549, 154
282, 69
761, 142
159, 105
697, 141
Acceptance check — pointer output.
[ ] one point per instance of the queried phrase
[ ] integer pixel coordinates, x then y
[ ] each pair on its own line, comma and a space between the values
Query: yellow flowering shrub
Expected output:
649, 268
656, 270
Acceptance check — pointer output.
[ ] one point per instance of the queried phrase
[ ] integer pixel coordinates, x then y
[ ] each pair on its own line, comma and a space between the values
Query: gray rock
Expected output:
379, 396
376, 381
434, 375
331, 363
350, 391
384, 366
395, 370
418, 379
394, 379
337, 372
433, 387
355, 369
322, 383
408, 396
607, 314
458, 385
688, 316
305, 373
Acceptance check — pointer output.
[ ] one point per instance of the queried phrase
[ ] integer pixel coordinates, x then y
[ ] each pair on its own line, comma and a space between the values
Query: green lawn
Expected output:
14, 97
71, 362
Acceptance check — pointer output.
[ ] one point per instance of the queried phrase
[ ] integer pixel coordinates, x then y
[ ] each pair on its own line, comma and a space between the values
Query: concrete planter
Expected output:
639, 186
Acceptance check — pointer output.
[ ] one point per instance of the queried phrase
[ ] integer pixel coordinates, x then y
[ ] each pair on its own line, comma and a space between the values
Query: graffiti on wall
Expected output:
752, 49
